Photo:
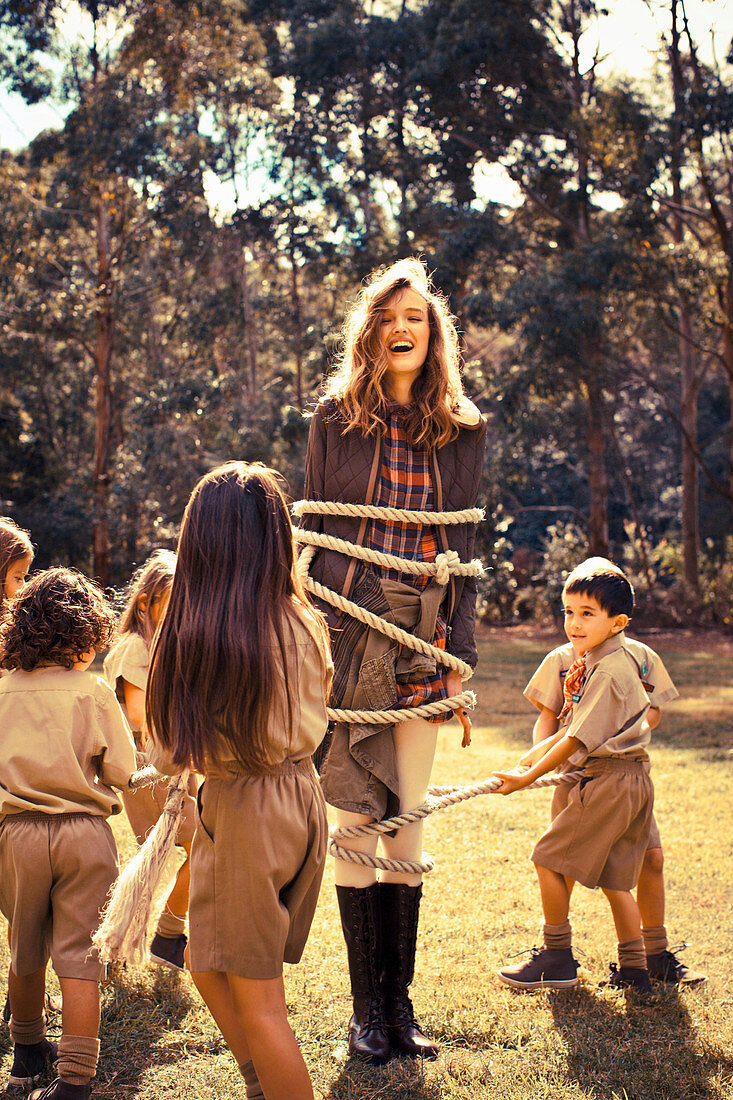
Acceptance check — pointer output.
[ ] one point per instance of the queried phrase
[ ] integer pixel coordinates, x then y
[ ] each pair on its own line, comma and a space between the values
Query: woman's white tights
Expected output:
415, 744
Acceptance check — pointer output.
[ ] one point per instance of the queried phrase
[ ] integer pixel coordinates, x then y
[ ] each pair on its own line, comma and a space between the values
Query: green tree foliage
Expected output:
177, 257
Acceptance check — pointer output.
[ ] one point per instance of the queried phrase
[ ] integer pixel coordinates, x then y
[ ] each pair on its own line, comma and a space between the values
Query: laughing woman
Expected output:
394, 429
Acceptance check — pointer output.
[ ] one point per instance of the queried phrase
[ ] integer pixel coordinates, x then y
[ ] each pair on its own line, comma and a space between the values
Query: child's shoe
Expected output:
31, 1061
547, 968
61, 1090
169, 950
629, 977
666, 967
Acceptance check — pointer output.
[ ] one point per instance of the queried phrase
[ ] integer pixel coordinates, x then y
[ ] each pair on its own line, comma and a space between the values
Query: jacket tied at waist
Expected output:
359, 771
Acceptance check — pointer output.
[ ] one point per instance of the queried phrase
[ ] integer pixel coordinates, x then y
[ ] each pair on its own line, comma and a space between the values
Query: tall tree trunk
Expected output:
250, 330
592, 354
597, 478
689, 380
297, 323
102, 399
690, 389
728, 358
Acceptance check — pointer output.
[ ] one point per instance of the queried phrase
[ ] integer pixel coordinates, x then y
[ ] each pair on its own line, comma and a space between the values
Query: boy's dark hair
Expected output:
57, 617
605, 582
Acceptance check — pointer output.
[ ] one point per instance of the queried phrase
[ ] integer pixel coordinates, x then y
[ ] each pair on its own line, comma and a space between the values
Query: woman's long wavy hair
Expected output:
358, 382
150, 584
214, 675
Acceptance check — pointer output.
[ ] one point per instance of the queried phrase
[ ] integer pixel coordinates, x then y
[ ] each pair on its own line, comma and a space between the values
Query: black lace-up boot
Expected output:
360, 921
400, 915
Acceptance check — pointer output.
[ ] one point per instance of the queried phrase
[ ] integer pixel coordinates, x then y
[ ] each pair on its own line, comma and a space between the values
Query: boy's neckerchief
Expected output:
572, 684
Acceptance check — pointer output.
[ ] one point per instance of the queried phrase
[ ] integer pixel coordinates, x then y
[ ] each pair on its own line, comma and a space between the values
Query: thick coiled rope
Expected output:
446, 564
439, 798
379, 511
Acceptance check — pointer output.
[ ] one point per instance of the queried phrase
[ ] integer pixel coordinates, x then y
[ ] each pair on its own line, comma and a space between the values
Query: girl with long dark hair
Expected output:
238, 681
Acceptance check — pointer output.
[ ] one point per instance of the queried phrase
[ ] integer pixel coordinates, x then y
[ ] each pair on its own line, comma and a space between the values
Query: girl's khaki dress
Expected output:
260, 845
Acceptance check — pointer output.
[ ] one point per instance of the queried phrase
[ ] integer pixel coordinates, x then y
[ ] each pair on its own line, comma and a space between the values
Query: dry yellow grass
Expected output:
480, 906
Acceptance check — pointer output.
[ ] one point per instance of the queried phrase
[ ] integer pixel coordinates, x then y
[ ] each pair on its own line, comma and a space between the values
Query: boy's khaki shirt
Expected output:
545, 686
65, 743
623, 679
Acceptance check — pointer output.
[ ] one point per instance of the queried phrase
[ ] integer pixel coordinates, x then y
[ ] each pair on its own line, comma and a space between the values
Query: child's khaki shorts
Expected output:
55, 871
256, 867
600, 824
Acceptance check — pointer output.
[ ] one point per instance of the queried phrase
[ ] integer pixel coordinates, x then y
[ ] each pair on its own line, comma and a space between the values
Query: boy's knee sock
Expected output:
557, 937
253, 1088
655, 940
28, 1032
170, 925
632, 955
77, 1059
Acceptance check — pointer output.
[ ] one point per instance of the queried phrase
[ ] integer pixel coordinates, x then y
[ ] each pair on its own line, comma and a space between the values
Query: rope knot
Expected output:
444, 563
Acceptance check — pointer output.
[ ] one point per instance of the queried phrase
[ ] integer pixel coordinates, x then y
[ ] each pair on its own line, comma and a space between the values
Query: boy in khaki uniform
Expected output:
65, 743
545, 690
601, 822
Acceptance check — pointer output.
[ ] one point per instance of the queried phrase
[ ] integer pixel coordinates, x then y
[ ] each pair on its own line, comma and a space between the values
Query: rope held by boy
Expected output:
131, 901
439, 798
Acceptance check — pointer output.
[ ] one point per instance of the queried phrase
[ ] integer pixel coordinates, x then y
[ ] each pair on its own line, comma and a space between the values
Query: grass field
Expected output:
480, 906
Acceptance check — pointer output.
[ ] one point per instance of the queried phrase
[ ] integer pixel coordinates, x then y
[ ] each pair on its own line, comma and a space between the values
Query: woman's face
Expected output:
405, 335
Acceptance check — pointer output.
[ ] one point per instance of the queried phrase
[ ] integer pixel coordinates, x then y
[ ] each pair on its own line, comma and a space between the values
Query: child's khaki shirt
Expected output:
65, 743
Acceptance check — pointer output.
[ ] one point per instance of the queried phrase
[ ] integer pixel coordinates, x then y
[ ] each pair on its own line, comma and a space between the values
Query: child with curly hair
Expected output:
65, 744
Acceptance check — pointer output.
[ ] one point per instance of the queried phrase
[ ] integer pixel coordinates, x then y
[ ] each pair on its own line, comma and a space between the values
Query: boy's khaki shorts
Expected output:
55, 871
256, 867
600, 824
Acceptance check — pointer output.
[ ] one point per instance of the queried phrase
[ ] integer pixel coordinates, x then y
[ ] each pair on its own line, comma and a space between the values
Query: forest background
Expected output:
176, 257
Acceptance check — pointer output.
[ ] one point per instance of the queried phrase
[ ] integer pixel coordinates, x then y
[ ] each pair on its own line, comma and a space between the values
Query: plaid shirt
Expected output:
404, 482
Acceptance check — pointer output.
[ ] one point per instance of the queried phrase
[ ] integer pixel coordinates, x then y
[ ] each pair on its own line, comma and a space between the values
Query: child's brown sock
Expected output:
655, 940
631, 954
77, 1060
28, 1032
253, 1088
170, 925
557, 937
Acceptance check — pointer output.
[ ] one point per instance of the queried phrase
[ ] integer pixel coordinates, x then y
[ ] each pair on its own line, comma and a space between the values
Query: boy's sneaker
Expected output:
31, 1061
168, 950
61, 1090
666, 967
546, 968
629, 977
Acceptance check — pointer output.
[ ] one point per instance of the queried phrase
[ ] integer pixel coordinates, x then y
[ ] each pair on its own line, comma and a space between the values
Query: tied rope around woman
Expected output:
446, 564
